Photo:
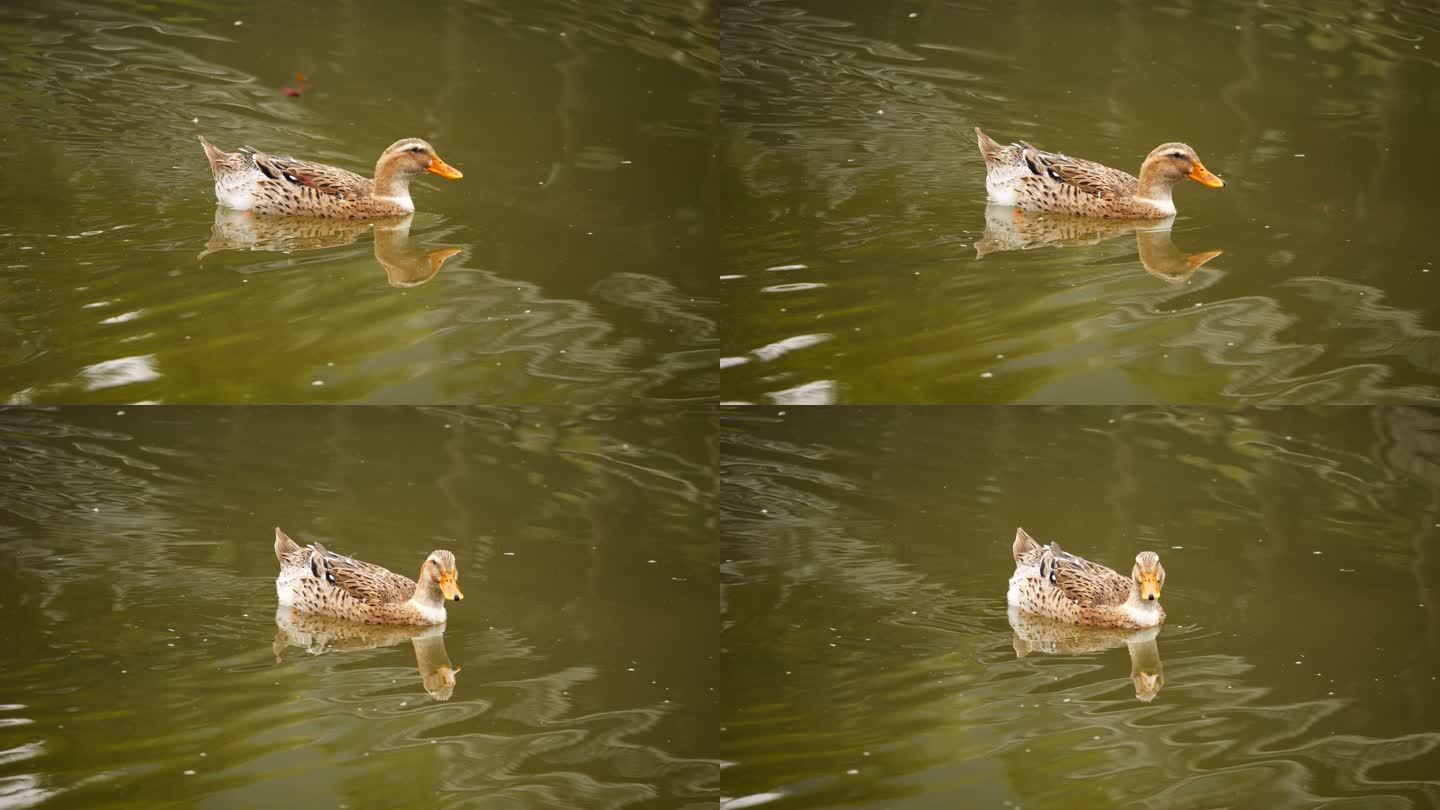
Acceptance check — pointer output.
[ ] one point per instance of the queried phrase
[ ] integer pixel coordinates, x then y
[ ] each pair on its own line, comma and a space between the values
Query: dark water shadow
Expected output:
1008, 228
1037, 634
406, 263
318, 635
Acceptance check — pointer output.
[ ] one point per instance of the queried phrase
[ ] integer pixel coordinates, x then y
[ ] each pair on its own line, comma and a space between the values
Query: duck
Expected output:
249, 180
315, 580
1059, 585
1031, 179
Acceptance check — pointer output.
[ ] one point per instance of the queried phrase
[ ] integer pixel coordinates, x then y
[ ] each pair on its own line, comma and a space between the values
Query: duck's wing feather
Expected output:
1086, 583
364, 581
307, 174
1086, 176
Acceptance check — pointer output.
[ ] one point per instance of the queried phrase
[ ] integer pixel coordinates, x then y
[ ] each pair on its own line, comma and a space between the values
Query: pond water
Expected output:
868, 658
855, 203
569, 265
144, 664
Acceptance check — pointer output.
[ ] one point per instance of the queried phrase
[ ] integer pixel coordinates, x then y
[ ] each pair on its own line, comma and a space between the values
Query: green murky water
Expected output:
569, 265
868, 659
144, 666
855, 203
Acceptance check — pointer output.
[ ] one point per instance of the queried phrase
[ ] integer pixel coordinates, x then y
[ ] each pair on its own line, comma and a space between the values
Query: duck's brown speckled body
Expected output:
316, 580
249, 180
1035, 180
1050, 582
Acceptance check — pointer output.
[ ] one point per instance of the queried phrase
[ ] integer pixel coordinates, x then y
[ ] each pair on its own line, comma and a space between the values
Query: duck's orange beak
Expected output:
1202, 175
448, 587
445, 170
1149, 588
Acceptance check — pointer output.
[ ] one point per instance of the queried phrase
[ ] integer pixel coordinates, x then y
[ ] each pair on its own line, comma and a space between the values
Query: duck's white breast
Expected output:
285, 586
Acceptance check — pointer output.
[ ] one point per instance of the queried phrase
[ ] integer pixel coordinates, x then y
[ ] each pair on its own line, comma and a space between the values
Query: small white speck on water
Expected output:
95, 509
985, 375
912, 15
999, 357
317, 383
853, 771
1177, 547
1317, 552
1299, 154
652, 562
1096, 737
239, 22
509, 554
202, 753
190, 772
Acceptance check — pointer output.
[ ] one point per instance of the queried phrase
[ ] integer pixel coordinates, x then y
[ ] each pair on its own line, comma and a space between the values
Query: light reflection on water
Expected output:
871, 660
146, 662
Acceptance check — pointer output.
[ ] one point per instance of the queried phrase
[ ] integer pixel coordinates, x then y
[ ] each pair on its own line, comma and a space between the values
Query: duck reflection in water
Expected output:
318, 635
1037, 634
405, 263
1009, 228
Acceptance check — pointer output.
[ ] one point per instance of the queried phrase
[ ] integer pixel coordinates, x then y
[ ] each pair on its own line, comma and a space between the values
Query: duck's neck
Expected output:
427, 593
1156, 188
1145, 612
393, 185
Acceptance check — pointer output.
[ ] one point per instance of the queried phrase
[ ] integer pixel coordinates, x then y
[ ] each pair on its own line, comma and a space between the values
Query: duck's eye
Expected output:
1180, 155
417, 149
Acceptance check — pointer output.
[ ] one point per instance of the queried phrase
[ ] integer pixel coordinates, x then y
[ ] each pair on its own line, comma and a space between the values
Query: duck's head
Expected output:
412, 156
1173, 161
1148, 575
439, 570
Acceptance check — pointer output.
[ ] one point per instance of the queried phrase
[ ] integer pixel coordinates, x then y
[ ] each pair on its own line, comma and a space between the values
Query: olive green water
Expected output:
576, 241
868, 659
854, 203
144, 666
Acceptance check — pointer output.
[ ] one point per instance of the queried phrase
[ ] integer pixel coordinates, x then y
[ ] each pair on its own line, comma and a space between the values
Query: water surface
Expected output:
868, 659
576, 241
855, 206
144, 664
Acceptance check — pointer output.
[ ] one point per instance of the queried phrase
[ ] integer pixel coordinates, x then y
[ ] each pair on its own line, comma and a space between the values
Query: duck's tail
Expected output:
989, 148
1024, 544
283, 544
215, 155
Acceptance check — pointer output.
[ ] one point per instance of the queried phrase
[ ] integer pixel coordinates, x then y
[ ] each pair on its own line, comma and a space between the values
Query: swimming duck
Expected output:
1060, 585
316, 580
1034, 180
248, 180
